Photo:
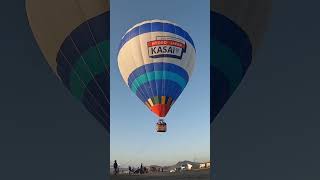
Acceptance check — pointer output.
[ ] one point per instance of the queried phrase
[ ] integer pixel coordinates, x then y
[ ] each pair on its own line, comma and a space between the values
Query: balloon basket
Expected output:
161, 126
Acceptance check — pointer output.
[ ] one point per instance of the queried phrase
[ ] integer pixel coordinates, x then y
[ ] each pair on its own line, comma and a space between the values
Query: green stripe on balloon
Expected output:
92, 59
156, 100
157, 75
224, 59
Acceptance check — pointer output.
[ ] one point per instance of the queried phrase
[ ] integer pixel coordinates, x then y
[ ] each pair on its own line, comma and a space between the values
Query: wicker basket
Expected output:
161, 126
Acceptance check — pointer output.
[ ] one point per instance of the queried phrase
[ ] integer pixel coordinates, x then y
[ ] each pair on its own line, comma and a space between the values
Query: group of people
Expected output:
132, 170
141, 170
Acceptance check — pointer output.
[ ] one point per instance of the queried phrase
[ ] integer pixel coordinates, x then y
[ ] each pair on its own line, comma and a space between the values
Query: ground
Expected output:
192, 175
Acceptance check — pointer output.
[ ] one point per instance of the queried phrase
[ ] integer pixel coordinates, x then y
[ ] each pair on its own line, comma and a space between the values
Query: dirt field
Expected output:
192, 175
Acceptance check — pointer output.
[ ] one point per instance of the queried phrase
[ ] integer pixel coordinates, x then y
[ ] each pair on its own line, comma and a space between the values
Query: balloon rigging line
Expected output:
145, 91
92, 36
86, 88
133, 84
89, 70
151, 34
83, 59
94, 98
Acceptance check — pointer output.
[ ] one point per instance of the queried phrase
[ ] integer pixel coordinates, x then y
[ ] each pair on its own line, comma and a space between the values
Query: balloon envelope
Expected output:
156, 59
74, 38
237, 28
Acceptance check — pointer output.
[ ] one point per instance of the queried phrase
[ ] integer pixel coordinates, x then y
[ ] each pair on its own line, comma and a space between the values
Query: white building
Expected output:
186, 166
202, 165
207, 164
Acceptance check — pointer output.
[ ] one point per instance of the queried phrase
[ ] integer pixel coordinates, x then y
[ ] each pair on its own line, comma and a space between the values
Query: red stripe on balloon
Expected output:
160, 110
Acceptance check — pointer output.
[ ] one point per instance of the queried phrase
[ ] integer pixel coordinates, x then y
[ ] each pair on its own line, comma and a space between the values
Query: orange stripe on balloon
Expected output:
163, 100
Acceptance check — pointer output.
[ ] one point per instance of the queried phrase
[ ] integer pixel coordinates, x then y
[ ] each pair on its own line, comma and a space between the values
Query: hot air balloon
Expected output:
237, 28
156, 59
74, 38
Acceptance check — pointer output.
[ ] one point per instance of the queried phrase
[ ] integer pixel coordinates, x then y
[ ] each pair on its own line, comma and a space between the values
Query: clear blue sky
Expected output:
133, 138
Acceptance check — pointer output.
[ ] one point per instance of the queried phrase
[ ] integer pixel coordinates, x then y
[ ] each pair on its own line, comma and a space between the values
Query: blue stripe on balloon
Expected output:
85, 36
159, 88
155, 27
157, 75
160, 66
227, 32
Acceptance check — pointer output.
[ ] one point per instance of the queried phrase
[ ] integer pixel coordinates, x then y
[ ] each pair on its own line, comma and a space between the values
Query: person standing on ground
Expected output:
115, 166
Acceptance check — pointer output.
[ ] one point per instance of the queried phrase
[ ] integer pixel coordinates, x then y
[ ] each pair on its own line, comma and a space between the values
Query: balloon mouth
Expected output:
161, 110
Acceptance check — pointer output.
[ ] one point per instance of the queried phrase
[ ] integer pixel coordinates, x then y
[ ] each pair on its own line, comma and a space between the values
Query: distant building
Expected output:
207, 164
186, 166
202, 165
